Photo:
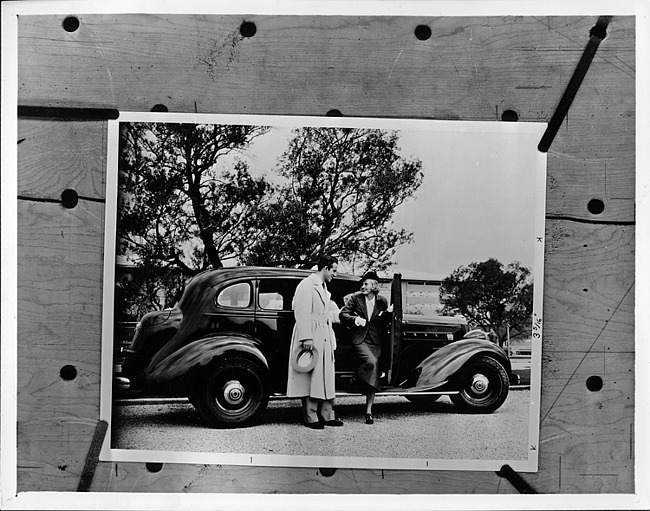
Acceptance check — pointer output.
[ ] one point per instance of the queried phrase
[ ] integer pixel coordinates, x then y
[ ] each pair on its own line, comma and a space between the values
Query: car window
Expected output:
277, 294
236, 295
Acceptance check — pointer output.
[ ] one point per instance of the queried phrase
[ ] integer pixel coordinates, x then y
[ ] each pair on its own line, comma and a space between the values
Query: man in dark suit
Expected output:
368, 314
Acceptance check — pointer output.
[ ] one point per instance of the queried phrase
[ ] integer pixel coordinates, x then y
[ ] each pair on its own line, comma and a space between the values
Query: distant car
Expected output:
225, 346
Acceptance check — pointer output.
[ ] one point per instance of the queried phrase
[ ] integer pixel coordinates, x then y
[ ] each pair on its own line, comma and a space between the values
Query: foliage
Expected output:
491, 297
145, 288
175, 209
341, 190
179, 215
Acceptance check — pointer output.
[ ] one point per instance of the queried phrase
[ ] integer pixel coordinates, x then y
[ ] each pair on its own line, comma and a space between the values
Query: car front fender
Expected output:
443, 364
200, 353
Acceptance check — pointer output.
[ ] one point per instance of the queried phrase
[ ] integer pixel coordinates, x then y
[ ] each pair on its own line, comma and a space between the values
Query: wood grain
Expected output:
589, 294
229, 479
472, 68
59, 324
589, 434
56, 155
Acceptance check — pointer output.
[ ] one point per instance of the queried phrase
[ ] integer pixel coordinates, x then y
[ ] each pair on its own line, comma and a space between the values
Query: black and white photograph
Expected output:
284, 255
328, 292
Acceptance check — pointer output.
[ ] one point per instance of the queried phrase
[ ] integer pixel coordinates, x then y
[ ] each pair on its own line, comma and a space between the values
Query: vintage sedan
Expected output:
225, 346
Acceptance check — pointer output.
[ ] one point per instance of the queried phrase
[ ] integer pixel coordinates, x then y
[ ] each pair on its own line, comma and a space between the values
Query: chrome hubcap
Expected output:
479, 384
233, 392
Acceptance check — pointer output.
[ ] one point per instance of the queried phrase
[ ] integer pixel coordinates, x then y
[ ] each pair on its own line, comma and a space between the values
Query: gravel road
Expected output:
400, 430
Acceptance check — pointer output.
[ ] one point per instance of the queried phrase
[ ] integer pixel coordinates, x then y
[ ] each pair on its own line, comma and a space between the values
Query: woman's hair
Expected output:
374, 285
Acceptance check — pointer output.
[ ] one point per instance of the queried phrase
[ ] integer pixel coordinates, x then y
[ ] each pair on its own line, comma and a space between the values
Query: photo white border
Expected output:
533, 130
640, 499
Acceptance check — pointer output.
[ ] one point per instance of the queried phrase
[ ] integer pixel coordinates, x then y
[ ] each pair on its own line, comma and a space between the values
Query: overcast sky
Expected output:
477, 199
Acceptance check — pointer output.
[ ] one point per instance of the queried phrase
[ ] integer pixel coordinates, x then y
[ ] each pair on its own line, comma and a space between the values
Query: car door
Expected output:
274, 322
346, 363
395, 338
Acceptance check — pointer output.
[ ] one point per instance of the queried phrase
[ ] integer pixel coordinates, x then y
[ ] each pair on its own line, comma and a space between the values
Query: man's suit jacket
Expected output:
375, 326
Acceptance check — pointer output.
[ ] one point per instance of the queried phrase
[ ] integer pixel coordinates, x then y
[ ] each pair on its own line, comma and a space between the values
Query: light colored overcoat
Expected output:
314, 312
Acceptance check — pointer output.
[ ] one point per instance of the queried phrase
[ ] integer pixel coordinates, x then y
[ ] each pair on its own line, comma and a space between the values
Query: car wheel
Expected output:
423, 401
232, 393
484, 386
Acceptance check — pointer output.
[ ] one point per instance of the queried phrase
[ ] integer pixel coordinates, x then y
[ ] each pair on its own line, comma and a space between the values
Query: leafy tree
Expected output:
491, 297
176, 211
146, 288
178, 215
342, 188
175, 208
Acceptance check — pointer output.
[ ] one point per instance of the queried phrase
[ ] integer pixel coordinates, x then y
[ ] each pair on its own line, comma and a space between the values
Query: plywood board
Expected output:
472, 68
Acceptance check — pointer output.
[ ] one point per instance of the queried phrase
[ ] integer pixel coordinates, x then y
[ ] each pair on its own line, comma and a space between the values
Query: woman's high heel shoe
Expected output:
369, 419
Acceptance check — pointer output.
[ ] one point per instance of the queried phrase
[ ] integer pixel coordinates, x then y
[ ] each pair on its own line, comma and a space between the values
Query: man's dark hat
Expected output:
370, 274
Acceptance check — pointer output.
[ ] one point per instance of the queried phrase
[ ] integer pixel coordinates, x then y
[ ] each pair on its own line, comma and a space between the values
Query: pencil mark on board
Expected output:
600, 56
108, 71
219, 53
566, 383
199, 475
393, 67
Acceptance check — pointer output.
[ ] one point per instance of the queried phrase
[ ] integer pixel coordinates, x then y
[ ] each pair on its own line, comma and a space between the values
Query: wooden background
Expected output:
471, 68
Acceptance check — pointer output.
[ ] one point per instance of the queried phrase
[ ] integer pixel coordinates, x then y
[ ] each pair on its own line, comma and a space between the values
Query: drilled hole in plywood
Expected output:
68, 372
596, 206
594, 383
598, 31
327, 472
159, 108
69, 198
423, 32
71, 24
510, 116
334, 113
248, 29
154, 467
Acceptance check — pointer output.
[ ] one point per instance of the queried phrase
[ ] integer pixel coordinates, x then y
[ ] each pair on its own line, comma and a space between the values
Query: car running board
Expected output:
402, 392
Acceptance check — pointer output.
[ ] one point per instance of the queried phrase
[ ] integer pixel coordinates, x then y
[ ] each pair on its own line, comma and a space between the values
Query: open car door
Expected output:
395, 339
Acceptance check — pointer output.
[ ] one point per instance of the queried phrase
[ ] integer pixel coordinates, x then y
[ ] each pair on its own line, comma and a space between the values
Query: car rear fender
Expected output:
443, 364
201, 352
152, 333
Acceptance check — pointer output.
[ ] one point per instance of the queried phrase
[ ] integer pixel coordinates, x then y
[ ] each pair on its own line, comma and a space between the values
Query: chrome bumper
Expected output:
121, 383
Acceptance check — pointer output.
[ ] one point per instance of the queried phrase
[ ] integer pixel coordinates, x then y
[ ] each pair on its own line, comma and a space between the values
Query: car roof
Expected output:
211, 278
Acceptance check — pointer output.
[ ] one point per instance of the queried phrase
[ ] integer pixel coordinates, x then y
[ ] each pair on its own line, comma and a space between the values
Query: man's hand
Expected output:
360, 321
308, 344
